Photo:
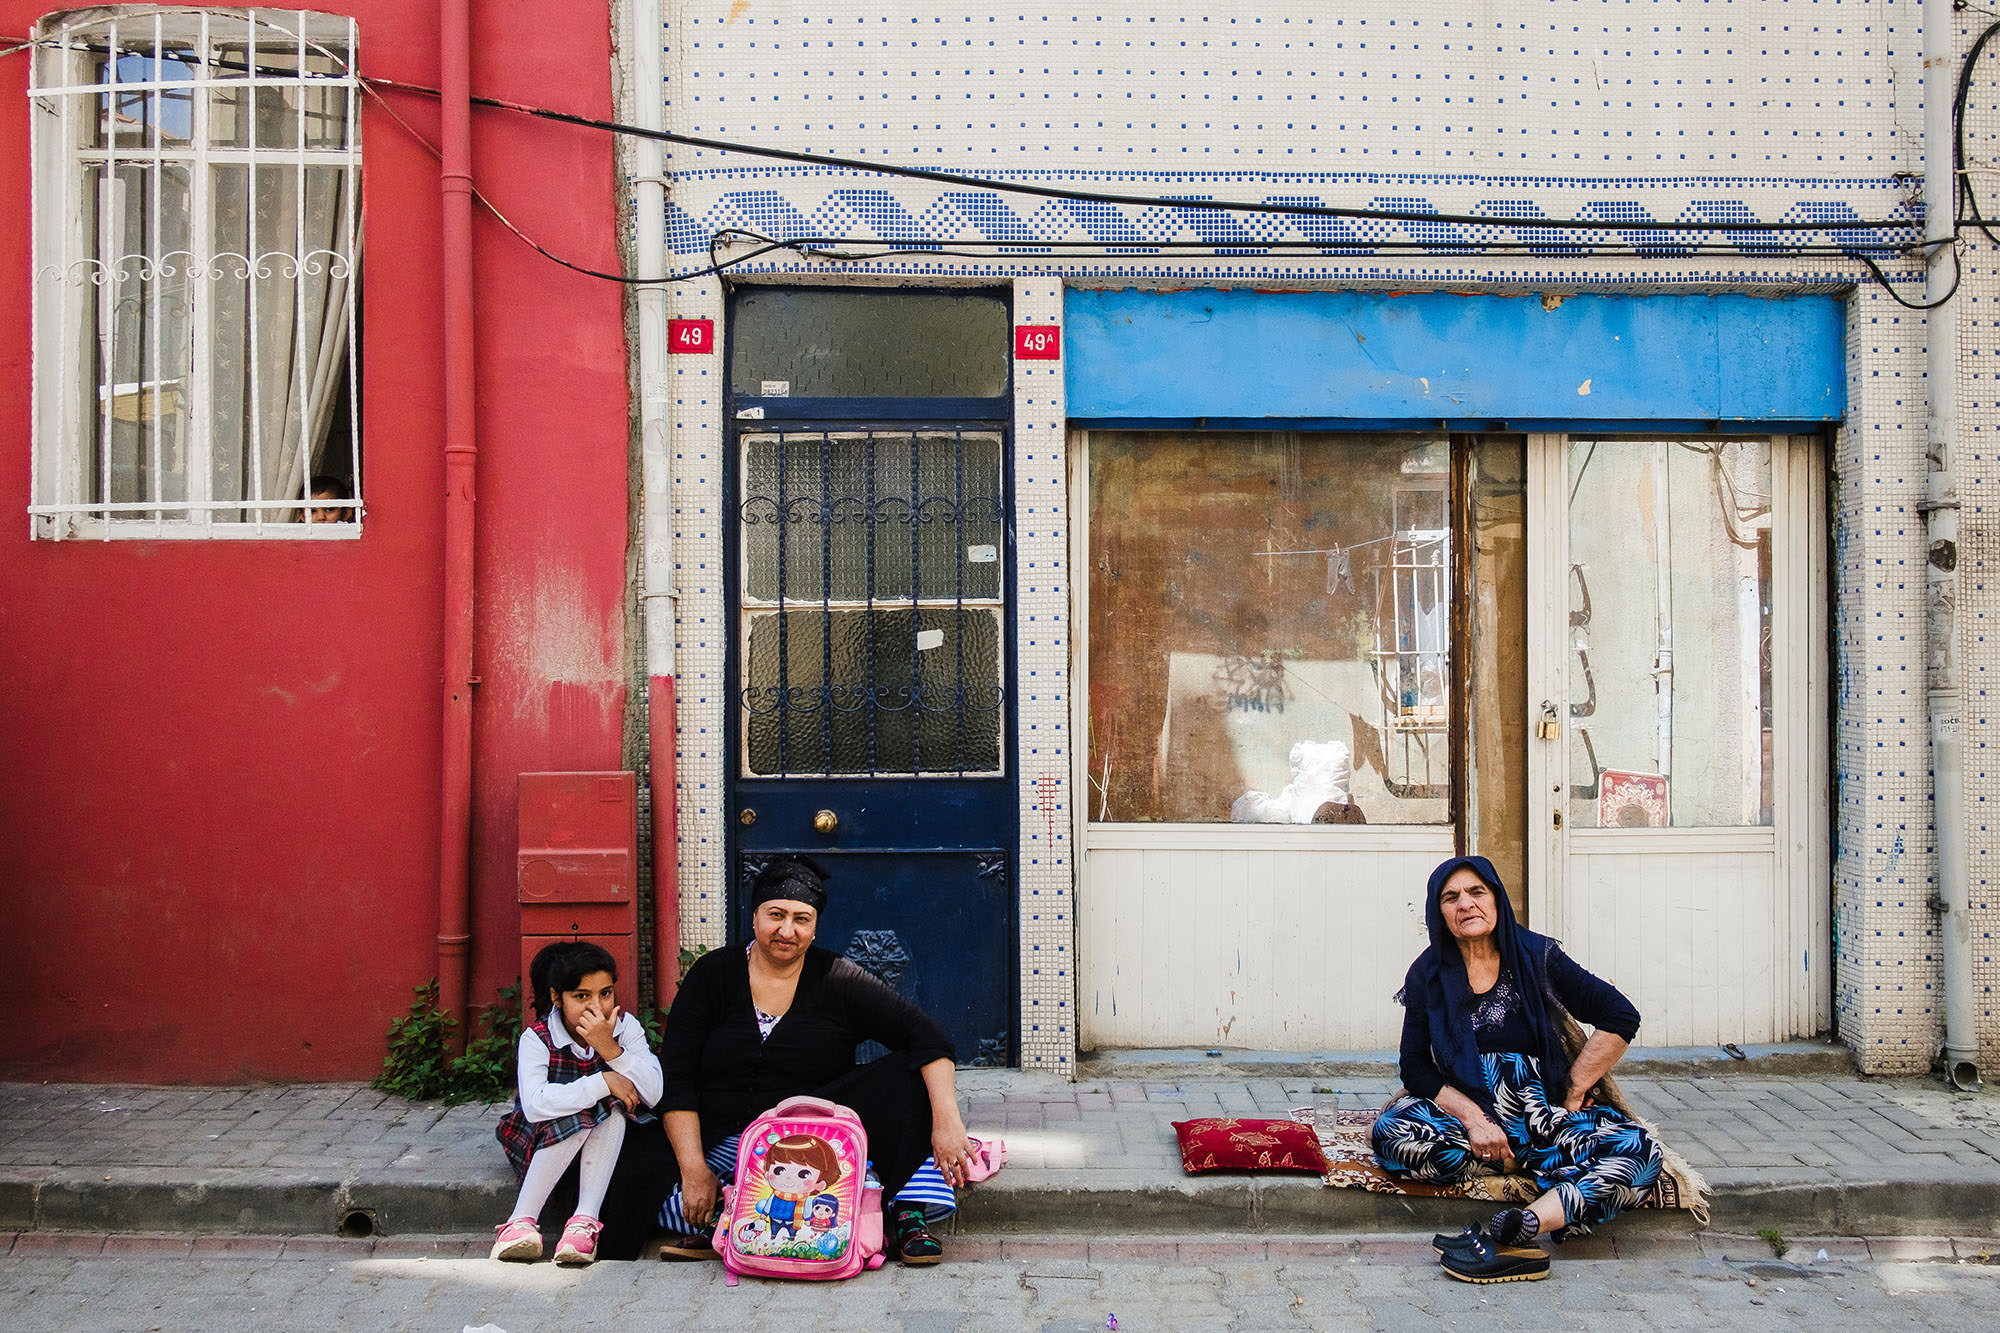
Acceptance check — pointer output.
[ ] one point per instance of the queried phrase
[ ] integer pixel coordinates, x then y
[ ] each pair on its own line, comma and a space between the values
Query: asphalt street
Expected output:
1397, 1290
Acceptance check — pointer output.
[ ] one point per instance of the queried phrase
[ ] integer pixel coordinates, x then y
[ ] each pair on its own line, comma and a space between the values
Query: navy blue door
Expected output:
872, 645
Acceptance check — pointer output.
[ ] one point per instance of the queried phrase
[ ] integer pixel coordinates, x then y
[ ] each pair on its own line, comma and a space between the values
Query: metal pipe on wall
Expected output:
656, 557
1940, 506
461, 452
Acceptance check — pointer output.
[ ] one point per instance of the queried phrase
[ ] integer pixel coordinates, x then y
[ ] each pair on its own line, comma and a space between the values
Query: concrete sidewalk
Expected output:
1829, 1155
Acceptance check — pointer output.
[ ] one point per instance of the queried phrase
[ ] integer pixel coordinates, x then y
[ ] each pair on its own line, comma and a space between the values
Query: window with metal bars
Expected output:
873, 600
197, 232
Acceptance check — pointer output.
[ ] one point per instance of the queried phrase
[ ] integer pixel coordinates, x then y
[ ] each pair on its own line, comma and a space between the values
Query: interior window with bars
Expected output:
197, 230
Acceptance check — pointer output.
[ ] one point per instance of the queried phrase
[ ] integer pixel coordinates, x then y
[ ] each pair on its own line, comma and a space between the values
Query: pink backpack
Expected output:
801, 1206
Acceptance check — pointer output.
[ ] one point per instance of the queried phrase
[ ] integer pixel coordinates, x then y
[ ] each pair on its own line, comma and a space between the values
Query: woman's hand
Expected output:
699, 1192
1489, 1143
623, 1089
1579, 1098
948, 1142
951, 1148
1593, 1062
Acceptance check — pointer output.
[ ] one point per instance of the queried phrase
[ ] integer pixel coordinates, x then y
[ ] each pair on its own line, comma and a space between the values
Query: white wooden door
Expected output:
1677, 766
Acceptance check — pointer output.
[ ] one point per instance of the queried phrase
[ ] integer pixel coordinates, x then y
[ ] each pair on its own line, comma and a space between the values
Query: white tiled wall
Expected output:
1979, 542
1758, 110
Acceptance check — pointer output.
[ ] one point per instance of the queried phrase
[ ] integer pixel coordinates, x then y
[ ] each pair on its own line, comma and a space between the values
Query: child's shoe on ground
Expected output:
579, 1241
519, 1240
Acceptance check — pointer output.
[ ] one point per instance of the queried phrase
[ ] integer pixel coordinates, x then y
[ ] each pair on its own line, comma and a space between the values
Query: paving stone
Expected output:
237, 1247
1134, 1251
1043, 1249
1246, 1250
175, 1247
1909, 1249
66, 1243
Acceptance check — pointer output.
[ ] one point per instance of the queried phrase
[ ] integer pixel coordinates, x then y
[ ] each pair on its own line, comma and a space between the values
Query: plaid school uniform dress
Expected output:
520, 1137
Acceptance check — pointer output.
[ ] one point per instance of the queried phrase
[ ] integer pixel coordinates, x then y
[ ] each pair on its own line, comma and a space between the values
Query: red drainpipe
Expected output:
461, 454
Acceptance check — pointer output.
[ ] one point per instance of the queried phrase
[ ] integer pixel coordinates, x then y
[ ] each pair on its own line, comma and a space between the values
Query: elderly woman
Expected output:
1491, 1083
783, 1018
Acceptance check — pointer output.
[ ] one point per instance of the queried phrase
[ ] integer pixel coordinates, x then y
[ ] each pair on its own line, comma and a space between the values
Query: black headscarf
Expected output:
793, 879
1436, 982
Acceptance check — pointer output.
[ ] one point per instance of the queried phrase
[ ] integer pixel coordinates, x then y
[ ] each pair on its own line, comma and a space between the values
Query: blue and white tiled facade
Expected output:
1622, 110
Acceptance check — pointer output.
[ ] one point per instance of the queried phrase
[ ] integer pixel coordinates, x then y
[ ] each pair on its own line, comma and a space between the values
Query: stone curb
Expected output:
1753, 1253
1041, 1203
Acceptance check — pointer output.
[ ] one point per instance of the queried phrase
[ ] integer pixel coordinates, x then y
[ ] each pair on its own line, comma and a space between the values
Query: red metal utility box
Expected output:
579, 867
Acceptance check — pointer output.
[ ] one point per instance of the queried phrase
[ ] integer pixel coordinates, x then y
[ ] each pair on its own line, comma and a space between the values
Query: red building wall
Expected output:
219, 760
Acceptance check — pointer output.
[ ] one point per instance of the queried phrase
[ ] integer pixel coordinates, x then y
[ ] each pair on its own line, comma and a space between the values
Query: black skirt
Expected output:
888, 1094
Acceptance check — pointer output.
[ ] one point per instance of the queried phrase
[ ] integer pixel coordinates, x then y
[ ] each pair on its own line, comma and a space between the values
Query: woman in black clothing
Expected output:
783, 1018
1496, 1080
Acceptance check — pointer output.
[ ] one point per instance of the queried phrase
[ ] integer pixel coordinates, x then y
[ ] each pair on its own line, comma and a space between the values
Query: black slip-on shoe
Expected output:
1447, 1241
1484, 1262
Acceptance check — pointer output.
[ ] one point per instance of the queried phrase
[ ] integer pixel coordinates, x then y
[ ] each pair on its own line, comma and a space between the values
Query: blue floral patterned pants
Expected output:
1598, 1162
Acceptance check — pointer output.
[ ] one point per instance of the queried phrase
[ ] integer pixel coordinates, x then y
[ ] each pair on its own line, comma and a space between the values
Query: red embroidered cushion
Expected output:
1228, 1144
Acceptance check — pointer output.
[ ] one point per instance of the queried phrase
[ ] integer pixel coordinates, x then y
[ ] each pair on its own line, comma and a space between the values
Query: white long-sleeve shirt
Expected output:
542, 1100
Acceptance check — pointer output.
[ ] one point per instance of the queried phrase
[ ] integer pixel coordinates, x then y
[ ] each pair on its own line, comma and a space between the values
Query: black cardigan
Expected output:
1588, 997
715, 1065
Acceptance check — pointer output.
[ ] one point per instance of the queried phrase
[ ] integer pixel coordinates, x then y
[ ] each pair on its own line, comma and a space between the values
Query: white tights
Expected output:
599, 1145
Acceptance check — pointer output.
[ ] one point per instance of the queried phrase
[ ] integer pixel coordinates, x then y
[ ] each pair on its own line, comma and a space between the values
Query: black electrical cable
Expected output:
811, 246
1959, 177
1141, 200
1957, 276
1151, 201
1357, 248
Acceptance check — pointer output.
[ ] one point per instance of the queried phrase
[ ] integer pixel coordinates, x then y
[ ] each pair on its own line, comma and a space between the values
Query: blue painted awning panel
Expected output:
1247, 356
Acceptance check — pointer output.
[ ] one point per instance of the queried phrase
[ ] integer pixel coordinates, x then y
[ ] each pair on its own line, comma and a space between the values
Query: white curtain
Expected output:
285, 272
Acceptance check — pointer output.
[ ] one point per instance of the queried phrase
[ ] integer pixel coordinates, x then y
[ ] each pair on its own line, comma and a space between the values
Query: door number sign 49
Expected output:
690, 335
1037, 342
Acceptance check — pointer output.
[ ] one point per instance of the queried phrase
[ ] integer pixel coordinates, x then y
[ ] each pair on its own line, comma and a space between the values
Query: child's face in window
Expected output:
322, 514
792, 1178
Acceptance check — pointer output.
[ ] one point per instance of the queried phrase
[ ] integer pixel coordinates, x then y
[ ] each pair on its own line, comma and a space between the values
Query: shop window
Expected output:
1270, 628
1670, 628
197, 228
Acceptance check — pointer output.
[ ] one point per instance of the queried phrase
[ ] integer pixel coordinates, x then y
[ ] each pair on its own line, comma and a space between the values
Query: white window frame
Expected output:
74, 278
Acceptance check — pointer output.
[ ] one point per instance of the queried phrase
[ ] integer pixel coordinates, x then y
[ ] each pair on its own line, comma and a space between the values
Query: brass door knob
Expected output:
826, 821
748, 816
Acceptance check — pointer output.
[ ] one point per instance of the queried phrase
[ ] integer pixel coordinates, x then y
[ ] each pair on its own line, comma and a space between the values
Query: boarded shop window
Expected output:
1670, 624
1270, 628
196, 234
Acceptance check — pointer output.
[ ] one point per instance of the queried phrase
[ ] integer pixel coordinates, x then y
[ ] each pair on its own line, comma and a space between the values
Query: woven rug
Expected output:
1351, 1164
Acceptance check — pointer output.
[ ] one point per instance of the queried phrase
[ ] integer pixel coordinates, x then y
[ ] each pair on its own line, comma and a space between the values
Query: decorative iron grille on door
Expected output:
872, 598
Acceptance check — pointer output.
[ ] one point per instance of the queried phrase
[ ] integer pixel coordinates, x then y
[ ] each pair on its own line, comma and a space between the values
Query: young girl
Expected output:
584, 1066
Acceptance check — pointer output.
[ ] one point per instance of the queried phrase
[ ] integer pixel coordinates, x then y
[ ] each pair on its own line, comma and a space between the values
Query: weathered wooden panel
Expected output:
1297, 945
1689, 934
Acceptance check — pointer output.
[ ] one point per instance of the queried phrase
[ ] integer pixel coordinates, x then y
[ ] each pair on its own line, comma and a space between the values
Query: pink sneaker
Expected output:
519, 1241
579, 1241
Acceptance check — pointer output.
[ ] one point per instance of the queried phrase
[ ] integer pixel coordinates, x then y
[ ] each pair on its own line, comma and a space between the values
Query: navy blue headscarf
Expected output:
1437, 983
